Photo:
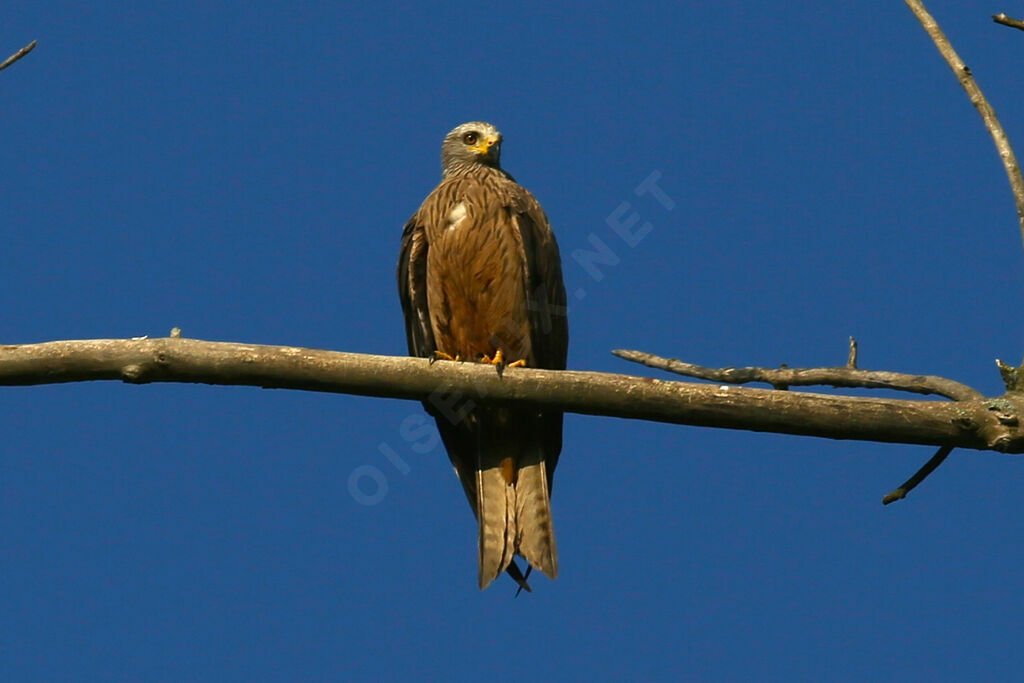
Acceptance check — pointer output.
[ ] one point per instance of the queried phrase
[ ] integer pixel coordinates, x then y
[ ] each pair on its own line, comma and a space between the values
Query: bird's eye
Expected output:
469, 138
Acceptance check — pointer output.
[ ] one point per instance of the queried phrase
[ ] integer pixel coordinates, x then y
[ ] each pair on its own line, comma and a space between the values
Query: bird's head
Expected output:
471, 144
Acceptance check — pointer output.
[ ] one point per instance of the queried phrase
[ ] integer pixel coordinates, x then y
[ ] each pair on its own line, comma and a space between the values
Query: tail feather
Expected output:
503, 471
535, 534
514, 517
496, 514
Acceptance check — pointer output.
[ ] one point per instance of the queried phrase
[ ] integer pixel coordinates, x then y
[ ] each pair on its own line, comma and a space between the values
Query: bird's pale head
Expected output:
471, 144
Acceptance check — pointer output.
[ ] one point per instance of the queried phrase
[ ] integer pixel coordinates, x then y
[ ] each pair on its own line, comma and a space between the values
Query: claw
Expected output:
498, 361
441, 355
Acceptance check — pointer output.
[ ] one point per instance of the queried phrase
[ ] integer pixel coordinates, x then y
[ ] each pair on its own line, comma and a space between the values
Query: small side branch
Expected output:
18, 55
988, 114
848, 376
783, 378
919, 476
1001, 18
1013, 377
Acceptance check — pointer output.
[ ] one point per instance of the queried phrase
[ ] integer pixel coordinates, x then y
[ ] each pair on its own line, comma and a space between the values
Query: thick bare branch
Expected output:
783, 378
984, 424
18, 55
988, 114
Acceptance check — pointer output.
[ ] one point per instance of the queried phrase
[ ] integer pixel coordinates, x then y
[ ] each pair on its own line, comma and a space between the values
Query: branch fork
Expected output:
1000, 429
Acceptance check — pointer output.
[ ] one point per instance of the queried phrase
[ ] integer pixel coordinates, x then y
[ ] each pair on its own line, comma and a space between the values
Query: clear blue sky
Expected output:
243, 171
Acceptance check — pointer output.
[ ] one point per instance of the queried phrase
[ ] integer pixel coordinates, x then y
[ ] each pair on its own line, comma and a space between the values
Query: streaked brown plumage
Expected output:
479, 272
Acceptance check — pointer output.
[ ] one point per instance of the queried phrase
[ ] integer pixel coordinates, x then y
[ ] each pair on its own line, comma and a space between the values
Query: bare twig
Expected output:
988, 115
1013, 377
983, 424
783, 378
919, 476
18, 55
848, 376
1001, 18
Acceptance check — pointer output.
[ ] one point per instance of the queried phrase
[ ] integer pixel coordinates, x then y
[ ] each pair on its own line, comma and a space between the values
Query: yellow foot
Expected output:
441, 355
498, 361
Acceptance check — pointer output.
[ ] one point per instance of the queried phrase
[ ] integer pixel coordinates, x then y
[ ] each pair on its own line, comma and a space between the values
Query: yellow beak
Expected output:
484, 147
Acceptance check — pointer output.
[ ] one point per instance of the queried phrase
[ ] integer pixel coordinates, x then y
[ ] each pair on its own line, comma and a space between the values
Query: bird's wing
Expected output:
545, 292
412, 290
546, 304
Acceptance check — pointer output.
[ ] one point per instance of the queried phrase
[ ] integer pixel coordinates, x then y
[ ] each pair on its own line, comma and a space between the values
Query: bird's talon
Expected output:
498, 361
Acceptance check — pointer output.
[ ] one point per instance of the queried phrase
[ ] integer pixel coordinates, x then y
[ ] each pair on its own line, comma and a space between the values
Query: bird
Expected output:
480, 279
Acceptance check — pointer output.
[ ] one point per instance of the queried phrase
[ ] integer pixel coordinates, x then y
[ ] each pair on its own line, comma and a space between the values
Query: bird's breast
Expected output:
475, 283
457, 216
